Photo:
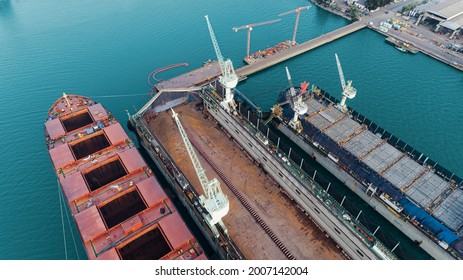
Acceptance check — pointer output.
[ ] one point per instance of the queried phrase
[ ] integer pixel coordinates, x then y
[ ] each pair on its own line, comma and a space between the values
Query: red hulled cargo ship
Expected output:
119, 207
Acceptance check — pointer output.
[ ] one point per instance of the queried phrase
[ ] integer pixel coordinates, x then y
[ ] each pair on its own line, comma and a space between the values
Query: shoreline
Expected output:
433, 54
338, 13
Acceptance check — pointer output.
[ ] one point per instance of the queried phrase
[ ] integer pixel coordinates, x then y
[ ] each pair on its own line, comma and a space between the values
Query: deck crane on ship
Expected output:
347, 90
214, 200
228, 79
249, 27
300, 108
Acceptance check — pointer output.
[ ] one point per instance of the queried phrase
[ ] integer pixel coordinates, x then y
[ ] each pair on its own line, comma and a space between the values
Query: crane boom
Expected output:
298, 10
214, 200
228, 79
194, 158
249, 27
255, 24
215, 44
299, 107
341, 74
291, 86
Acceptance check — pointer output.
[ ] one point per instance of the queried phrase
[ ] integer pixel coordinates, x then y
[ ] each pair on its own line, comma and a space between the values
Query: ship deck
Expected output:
377, 161
120, 209
300, 236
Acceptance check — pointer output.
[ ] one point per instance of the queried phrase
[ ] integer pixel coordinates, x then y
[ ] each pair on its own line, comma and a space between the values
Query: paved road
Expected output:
421, 36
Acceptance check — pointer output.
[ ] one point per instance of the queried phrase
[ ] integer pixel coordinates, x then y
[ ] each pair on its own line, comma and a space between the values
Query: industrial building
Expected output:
447, 14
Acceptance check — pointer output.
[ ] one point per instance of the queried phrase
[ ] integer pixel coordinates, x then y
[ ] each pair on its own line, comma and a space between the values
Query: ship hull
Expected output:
120, 209
330, 217
295, 190
360, 190
418, 196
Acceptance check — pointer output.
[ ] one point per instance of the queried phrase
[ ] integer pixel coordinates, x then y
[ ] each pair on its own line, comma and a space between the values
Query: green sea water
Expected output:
107, 48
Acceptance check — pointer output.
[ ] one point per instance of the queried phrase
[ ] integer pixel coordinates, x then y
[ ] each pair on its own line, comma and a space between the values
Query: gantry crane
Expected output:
228, 79
298, 13
347, 90
249, 27
214, 200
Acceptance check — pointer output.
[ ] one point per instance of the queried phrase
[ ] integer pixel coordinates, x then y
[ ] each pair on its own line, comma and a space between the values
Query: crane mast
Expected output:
228, 79
347, 90
298, 13
299, 107
214, 200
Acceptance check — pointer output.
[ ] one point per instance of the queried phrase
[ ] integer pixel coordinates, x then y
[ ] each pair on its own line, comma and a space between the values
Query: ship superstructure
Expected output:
120, 209
426, 199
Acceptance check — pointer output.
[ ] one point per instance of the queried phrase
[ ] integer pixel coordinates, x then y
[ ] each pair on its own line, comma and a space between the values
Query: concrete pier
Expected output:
211, 71
300, 48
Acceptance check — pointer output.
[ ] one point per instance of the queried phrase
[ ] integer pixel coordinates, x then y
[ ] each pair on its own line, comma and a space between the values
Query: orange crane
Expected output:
298, 13
249, 27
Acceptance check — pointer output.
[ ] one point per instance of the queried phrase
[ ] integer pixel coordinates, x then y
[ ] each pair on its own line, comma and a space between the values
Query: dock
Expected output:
197, 77
211, 70
401, 44
299, 49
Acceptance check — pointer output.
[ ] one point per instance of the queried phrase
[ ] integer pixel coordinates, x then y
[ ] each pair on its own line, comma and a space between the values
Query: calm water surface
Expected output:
107, 48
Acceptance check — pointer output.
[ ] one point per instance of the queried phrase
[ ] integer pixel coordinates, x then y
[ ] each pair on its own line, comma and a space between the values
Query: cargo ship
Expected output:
418, 196
120, 209
244, 127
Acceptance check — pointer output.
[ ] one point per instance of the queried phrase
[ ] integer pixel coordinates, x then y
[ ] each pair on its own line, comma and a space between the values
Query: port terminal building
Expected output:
447, 14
